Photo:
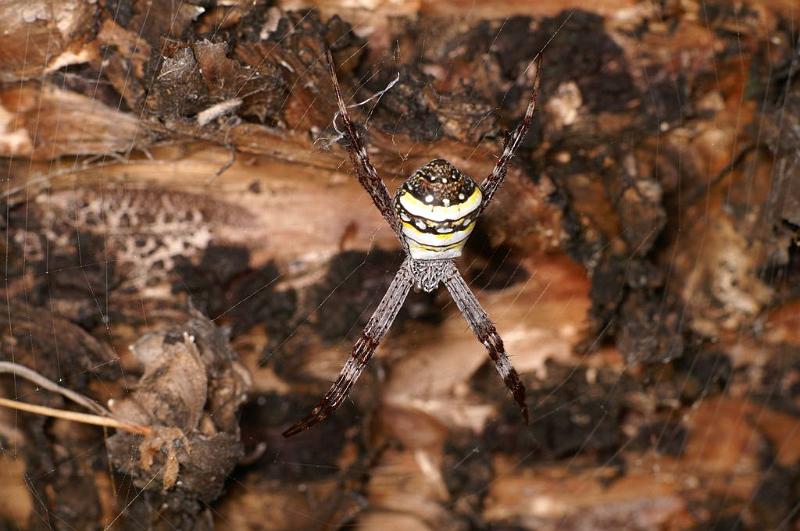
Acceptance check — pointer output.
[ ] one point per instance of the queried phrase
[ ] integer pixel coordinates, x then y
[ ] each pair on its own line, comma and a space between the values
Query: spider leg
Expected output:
367, 175
364, 348
484, 329
490, 185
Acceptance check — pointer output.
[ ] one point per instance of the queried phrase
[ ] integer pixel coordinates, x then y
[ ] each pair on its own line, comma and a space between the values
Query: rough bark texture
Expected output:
166, 159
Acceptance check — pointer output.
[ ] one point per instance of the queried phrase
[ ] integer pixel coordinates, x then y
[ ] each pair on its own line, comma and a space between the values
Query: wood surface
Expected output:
185, 242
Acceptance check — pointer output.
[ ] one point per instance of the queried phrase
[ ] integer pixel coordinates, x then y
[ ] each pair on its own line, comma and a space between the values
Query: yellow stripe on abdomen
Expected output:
426, 252
427, 246
437, 239
454, 211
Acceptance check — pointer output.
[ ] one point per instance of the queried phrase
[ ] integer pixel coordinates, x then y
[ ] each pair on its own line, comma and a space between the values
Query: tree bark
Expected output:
640, 262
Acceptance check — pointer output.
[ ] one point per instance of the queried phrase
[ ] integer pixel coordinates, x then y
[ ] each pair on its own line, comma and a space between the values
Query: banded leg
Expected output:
484, 329
367, 175
364, 348
495, 179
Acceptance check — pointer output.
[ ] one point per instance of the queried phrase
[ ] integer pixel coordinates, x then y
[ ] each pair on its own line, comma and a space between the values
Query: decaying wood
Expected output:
166, 159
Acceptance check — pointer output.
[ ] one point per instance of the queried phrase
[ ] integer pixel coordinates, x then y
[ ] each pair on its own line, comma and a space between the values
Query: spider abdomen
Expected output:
437, 207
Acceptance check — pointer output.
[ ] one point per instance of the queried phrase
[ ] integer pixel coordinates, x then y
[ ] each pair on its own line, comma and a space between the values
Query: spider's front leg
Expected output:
490, 185
364, 348
483, 328
367, 175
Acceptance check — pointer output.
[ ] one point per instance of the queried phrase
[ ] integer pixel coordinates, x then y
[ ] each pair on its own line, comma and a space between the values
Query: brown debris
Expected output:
190, 391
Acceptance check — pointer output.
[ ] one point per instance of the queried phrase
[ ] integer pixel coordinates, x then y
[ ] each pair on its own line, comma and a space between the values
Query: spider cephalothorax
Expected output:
438, 206
432, 215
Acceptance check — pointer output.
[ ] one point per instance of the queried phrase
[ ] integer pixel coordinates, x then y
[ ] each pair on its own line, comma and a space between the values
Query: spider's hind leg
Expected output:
364, 348
484, 329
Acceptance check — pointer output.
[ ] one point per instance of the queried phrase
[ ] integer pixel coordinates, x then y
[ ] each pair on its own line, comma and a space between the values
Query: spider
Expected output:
432, 214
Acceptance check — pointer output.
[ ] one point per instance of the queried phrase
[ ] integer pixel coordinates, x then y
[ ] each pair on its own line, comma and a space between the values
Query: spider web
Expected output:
654, 325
